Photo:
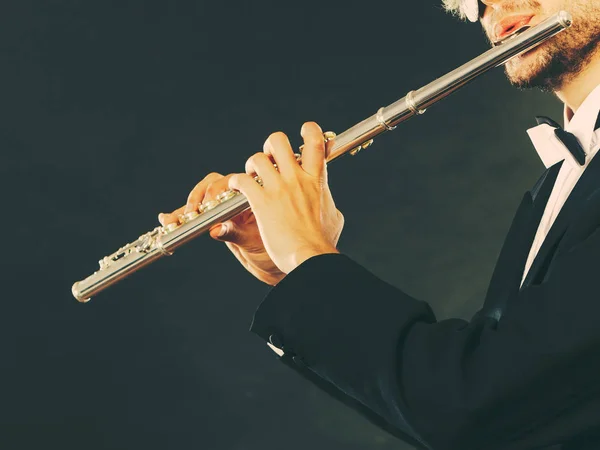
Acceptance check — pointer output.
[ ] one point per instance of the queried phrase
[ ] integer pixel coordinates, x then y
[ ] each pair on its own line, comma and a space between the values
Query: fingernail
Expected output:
160, 217
222, 230
268, 146
302, 130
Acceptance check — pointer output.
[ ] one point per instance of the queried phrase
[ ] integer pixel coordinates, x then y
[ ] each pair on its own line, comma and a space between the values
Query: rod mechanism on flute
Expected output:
165, 240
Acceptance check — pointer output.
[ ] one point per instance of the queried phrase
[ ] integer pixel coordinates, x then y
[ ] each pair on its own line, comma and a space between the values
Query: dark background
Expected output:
111, 111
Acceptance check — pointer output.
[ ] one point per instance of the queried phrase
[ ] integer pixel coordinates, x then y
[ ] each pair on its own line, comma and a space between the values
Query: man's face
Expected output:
557, 61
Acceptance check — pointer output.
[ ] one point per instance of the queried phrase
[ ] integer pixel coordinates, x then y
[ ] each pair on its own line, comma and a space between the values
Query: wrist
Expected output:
305, 253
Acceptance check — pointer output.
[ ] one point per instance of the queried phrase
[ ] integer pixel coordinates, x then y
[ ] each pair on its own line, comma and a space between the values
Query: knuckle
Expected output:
169, 218
311, 128
194, 193
316, 138
211, 176
213, 190
249, 164
278, 135
261, 157
274, 141
197, 188
239, 180
319, 143
256, 158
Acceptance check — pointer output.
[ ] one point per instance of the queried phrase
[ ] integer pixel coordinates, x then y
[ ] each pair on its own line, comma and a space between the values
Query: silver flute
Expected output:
165, 240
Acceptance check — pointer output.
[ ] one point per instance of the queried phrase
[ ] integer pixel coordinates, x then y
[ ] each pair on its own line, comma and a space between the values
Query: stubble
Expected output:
559, 60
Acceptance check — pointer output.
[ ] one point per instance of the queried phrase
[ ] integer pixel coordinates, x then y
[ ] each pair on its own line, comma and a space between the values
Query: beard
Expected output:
559, 60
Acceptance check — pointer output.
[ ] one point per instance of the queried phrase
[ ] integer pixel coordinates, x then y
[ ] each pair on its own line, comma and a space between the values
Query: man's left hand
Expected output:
294, 209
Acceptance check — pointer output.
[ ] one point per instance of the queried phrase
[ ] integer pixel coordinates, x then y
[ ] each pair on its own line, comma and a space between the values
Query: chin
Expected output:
544, 68
558, 61
526, 71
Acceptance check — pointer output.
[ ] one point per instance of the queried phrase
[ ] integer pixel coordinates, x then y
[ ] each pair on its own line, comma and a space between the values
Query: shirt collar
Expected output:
581, 124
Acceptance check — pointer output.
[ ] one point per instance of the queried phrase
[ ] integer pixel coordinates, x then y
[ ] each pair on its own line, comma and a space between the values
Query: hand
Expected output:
240, 234
294, 209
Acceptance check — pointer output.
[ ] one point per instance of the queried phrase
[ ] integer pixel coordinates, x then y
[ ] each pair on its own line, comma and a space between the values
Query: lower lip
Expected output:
525, 21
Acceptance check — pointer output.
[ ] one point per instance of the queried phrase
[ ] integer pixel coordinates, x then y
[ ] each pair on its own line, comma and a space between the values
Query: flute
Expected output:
164, 241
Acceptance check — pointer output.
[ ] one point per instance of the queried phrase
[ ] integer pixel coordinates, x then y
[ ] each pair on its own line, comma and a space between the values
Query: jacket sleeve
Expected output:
529, 379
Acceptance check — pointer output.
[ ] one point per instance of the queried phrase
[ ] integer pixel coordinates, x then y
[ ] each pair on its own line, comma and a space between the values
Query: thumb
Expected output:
230, 232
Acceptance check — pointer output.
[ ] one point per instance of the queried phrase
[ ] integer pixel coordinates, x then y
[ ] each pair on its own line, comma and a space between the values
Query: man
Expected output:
525, 371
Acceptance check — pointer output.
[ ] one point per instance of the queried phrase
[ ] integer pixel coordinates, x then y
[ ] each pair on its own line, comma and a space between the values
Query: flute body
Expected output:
164, 241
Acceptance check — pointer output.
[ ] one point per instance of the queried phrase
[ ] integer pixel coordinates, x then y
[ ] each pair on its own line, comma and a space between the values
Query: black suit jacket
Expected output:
523, 373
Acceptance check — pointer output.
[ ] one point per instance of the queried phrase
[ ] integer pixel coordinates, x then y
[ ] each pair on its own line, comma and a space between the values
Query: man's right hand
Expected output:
240, 234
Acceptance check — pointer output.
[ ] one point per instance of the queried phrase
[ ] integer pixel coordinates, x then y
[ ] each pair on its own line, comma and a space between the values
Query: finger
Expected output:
243, 220
167, 218
246, 185
217, 231
239, 235
197, 194
313, 155
328, 147
261, 165
279, 148
215, 188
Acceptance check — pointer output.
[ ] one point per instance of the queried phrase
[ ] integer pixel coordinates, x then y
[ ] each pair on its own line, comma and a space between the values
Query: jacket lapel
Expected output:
584, 187
507, 275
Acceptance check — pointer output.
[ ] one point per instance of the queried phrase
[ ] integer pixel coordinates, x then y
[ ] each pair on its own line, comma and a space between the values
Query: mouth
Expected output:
510, 27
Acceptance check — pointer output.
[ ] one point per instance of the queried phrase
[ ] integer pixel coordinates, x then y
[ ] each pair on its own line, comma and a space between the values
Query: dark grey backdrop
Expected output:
111, 111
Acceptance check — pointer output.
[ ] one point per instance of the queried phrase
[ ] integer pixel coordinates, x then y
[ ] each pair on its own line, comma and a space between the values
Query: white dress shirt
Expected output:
551, 151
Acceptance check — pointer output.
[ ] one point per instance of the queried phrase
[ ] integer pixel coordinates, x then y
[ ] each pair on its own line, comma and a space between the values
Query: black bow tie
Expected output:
568, 139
